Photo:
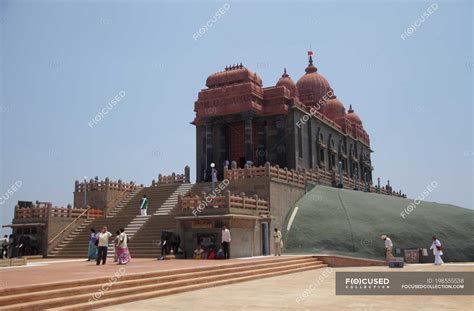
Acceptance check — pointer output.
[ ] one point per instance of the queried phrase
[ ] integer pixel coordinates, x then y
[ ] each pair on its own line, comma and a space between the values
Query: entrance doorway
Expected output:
265, 239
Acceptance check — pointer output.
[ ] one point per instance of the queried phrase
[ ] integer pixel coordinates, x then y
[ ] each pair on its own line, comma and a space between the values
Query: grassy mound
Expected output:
347, 222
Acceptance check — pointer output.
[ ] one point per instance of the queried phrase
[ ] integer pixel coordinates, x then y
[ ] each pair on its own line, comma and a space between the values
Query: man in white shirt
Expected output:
388, 247
103, 243
226, 242
437, 248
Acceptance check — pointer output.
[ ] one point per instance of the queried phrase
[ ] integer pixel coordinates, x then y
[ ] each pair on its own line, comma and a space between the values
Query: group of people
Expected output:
224, 252
99, 245
436, 246
7, 246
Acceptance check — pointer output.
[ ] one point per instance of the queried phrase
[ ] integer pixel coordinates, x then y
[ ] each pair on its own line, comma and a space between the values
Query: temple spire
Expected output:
311, 68
310, 54
284, 75
350, 109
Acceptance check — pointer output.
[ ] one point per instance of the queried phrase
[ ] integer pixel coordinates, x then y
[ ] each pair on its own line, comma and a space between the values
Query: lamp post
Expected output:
213, 176
341, 185
85, 191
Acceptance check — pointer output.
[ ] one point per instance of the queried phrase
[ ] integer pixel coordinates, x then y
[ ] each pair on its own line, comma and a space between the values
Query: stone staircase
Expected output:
125, 215
124, 202
80, 235
146, 243
170, 204
79, 294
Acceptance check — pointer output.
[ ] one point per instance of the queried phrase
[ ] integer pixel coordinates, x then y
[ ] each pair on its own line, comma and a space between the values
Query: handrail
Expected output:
82, 214
122, 194
70, 224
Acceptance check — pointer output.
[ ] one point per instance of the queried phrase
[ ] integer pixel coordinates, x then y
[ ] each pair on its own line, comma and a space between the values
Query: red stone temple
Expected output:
298, 126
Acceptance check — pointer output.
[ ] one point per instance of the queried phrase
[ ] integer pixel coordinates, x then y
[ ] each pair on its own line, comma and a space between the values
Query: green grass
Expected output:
347, 222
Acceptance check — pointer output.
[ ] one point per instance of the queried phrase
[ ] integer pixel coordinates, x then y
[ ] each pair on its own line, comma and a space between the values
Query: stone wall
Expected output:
245, 232
100, 194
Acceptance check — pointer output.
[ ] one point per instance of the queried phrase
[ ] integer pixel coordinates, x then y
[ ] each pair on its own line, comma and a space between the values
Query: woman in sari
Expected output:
116, 245
123, 253
92, 251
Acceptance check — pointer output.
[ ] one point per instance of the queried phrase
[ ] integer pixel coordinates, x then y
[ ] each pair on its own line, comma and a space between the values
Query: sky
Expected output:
61, 62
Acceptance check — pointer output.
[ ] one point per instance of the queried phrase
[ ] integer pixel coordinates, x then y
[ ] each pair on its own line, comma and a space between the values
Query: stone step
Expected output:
116, 296
66, 293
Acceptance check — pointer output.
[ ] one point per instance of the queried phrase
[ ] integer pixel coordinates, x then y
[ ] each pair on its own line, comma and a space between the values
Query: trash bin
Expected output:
412, 255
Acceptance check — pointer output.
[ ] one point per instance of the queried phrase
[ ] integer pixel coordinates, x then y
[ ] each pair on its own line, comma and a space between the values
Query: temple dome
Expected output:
287, 82
353, 117
333, 108
233, 75
312, 86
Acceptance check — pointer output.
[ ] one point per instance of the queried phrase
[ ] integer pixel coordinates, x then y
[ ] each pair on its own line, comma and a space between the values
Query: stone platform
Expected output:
58, 270
282, 292
80, 285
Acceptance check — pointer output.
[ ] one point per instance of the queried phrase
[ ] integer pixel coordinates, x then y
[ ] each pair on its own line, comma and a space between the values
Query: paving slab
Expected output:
282, 292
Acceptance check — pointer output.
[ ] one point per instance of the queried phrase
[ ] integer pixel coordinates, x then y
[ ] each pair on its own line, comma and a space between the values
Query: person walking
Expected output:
102, 245
226, 242
11, 244
144, 206
388, 247
277, 241
116, 245
92, 250
437, 248
123, 252
4, 245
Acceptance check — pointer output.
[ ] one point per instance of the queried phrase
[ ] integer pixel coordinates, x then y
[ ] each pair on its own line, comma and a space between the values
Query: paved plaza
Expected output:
275, 293
281, 293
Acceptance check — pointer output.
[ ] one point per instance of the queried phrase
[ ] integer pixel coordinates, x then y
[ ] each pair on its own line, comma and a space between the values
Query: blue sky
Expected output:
63, 61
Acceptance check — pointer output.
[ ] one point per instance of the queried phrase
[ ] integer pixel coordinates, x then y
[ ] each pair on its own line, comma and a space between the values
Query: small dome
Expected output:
287, 82
233, 75
353, 117
333, 108
312, 86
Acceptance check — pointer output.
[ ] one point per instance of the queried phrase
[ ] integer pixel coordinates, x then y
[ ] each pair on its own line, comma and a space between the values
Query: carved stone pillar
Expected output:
248, 136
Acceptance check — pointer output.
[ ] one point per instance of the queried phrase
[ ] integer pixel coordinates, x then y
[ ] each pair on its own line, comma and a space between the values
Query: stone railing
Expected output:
301, 177
47, 212
227, 203
103, 185
173, 178
295, 177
